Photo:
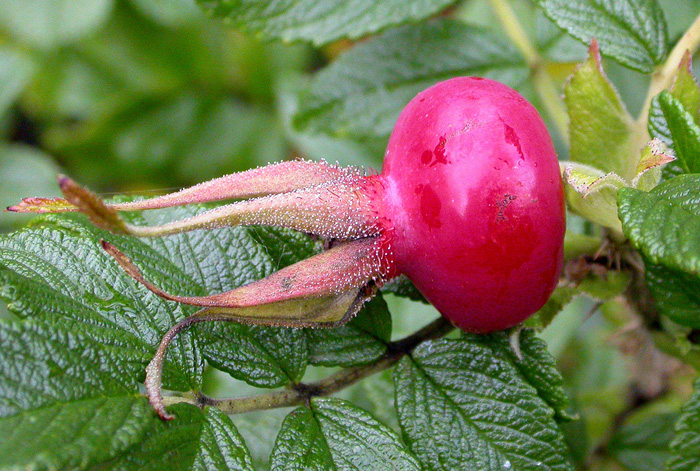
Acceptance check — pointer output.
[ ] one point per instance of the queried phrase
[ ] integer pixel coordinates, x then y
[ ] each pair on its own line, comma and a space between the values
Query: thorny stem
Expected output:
547, 90
301, 393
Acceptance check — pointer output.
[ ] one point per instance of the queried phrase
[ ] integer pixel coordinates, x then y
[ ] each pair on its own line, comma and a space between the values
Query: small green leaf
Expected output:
600, 126
685, 447
642, 445
663, 225
685, 88
469, 404
334, 434
633, 32
361, 341
684, 133
593, 194
320, 21
362, 92
50, 23
221, 447
559, 299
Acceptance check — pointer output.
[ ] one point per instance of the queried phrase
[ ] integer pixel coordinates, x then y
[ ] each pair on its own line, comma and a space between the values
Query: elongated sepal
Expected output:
340, 209
346, 266
273, 179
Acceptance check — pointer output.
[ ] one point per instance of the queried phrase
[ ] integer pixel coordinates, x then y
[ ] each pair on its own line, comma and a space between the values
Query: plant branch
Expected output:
301, 393
546, 89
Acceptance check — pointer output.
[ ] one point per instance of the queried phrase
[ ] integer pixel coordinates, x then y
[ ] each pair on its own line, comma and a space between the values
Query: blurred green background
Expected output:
146, 96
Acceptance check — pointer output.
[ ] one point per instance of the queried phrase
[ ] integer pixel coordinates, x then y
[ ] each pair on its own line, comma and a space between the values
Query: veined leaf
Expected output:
360, 341
633, 32
683, 132
320, 21
361, 94
469, 404
120, 433
685, 446
334, 434
601, 127
663, 225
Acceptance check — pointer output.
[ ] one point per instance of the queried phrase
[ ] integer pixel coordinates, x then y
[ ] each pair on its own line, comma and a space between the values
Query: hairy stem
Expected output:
301, 393
546, 89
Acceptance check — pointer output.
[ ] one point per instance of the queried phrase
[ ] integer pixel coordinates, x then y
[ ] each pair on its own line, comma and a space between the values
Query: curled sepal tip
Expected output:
325, 290
273, 179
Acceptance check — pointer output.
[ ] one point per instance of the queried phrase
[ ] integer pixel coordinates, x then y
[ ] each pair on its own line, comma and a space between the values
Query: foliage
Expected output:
131, 95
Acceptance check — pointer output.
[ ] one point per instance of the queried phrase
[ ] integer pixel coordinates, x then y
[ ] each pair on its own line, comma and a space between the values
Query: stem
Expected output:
301, 393
544, 85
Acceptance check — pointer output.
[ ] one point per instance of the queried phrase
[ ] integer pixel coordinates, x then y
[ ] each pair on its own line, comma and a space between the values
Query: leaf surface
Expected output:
468, 404
335, 435
320, 21
633, 32
685, 446
663, 225
361, 94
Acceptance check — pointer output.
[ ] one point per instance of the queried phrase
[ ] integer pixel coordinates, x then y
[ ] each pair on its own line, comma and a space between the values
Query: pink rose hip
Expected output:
474, 196
469, 205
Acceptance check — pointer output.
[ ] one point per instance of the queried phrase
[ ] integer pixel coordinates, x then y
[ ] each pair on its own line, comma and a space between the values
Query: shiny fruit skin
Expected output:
474, 204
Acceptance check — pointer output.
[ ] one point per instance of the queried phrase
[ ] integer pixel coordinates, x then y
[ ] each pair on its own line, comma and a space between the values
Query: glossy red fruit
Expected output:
474, 204
469, 206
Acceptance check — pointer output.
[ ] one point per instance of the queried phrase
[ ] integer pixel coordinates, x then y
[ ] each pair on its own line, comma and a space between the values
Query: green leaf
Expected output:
593, 194
535, 364
663, 225
633, 32
64, 366
263, 357
642, 445
362, 340
559, 299
685, 447
600, 126
221, 447
320, 21
50, 23
469, 404
362, 92
120, 433
58, 273
684, 134
334, 434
